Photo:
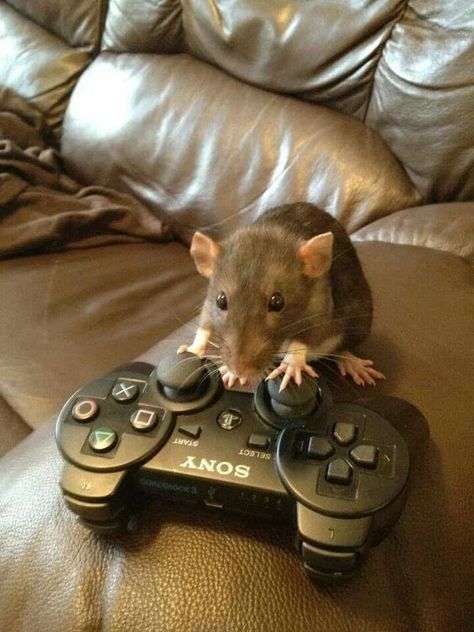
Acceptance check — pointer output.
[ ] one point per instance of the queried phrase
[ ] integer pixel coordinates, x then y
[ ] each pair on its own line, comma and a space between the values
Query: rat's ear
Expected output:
204, 251
316, 255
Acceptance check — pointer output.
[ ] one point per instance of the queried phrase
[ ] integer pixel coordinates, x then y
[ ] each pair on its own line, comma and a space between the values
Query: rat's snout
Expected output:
248, 360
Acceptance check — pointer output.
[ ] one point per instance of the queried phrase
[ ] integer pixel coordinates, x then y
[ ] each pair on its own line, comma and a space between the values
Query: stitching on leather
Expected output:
380, 55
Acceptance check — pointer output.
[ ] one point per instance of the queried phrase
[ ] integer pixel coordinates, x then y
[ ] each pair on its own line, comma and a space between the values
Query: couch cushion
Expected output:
188, 571
446, 227
48, 70
406, 68
217, 156
78, 23
319, 51
70, 316
423, 95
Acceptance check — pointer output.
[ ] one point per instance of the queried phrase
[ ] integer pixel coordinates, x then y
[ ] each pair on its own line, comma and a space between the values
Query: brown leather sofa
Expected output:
173, 116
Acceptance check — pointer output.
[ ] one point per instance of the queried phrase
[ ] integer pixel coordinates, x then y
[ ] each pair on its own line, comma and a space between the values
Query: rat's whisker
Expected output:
190, 376
333, 312
333, 320
347, 382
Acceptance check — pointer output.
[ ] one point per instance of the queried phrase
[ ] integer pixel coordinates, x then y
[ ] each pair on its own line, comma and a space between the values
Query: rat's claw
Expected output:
228, 377
276, 372
310, 371
182, 349
285, 380
361, 371
291, 370
297, 375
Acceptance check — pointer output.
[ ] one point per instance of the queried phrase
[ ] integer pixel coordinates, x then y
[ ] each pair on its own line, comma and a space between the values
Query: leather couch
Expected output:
206, 114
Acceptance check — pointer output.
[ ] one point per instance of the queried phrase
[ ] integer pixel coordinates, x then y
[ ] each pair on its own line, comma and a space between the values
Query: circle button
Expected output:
229, 418
102, 439
85, 410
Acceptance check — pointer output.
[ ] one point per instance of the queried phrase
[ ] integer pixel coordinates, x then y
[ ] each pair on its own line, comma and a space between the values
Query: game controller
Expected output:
339, 471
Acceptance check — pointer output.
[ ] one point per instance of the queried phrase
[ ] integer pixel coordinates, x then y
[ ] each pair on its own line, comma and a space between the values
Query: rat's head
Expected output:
260, 283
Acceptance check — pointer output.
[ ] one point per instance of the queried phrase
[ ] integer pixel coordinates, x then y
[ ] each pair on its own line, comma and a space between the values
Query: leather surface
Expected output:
216, 157
301, 48
143, 27
423, 97
188, 139
12, 428
78, 23
77, 314
188, 571
406, 68
446, 227
48, 68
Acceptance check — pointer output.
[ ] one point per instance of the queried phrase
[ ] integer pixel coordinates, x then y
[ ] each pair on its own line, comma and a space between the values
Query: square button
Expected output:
144, 420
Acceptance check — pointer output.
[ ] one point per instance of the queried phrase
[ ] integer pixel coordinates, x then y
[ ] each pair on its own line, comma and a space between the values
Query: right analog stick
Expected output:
294, 400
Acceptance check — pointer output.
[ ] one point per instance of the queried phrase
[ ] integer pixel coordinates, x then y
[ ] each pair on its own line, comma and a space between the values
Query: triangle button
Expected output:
102, 439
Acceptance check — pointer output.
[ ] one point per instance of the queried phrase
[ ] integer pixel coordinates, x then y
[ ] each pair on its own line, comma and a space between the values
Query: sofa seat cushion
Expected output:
186, 571
69, 316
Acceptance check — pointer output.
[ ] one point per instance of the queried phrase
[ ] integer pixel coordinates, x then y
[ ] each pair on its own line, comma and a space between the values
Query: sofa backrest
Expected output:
44, 47
207, 151
405, 67
150, 123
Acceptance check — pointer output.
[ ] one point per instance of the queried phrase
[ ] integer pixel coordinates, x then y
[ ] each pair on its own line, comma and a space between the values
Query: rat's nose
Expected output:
246, 365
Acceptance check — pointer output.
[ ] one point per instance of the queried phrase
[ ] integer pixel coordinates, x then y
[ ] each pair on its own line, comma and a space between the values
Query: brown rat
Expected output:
289, 287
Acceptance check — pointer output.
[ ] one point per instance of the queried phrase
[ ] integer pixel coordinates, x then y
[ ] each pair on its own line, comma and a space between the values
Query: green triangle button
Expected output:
102, 439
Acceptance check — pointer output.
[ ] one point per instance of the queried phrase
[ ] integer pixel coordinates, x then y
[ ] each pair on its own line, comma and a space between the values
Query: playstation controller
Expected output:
338, 471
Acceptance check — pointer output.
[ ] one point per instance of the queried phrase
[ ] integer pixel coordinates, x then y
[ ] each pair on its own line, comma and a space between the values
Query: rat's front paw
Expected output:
198, 350
361, 371
199, 345
292, 366
229, 378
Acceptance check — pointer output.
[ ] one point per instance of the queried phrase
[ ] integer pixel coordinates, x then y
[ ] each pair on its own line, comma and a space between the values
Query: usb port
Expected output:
214, 504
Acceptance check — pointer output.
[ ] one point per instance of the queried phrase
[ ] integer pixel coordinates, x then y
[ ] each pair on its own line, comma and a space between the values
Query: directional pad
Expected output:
339, 471
365, 456
319, 448
344, 433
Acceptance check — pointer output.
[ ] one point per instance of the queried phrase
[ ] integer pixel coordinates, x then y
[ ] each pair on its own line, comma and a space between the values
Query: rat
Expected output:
286, 290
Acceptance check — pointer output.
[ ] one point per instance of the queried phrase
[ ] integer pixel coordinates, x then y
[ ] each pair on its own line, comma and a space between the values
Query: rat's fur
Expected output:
327, 314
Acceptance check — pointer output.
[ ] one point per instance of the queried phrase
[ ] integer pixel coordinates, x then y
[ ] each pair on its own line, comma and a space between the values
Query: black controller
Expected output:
339, 471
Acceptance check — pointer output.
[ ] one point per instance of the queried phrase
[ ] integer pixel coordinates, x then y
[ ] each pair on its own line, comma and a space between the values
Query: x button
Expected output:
124, 391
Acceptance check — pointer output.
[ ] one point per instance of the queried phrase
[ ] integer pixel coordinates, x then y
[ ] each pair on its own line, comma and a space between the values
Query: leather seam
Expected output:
18, 416
101, 20
380, 53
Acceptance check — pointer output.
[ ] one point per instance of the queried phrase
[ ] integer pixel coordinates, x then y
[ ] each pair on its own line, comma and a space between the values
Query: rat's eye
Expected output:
221, 301
276, 303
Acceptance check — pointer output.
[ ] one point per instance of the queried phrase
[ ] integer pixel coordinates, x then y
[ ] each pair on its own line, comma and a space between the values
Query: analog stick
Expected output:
183, 377
293, 401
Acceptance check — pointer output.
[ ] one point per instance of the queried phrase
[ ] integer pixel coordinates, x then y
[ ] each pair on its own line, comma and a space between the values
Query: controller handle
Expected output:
182, 376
